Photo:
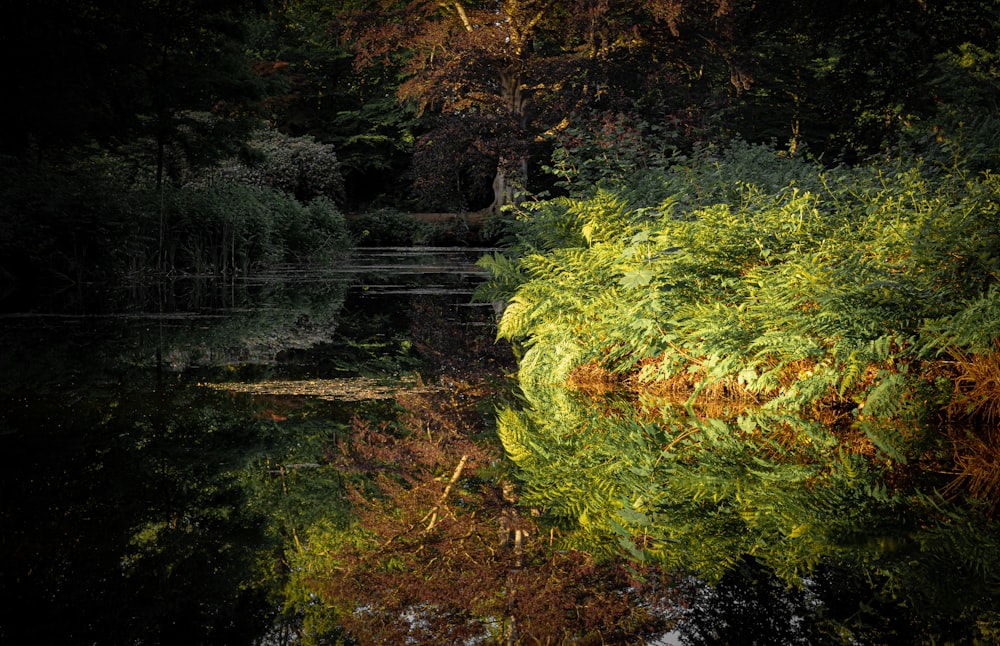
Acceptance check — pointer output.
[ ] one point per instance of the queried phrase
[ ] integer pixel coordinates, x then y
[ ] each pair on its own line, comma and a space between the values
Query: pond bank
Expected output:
391, 227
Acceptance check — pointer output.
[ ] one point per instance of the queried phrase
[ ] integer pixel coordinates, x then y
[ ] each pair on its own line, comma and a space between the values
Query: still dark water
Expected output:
148, 435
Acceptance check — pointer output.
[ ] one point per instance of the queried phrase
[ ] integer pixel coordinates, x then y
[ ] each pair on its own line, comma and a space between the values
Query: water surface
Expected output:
162, 442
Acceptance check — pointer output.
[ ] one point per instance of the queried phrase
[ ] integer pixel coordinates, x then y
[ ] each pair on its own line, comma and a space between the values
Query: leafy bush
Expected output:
611, 147
86, 223
742, 254
390, 228
315, 232
965, 128
387, 227
300, 166
221, 228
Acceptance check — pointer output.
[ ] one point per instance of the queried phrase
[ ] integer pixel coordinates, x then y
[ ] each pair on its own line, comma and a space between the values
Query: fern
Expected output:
974, 326
505, 277
794, 321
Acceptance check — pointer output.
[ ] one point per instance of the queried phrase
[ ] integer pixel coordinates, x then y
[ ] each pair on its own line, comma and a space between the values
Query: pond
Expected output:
162, 443
197, 462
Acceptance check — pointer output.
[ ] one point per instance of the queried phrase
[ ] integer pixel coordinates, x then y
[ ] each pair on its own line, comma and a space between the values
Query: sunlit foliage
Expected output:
810, 360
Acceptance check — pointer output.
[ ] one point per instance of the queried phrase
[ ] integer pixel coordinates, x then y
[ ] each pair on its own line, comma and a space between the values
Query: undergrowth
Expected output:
812, 354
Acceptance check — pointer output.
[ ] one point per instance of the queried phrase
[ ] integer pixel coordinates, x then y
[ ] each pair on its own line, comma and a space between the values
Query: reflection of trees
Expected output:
749, 606
258, 323
125, 520
148, 509
196, 323
656, 483
439, 554
127, 508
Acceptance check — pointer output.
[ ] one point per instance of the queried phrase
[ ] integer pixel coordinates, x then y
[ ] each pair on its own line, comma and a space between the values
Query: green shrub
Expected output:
299, 166
965, 130
221, 228
749, 261
614, 148
390, 228
90, 222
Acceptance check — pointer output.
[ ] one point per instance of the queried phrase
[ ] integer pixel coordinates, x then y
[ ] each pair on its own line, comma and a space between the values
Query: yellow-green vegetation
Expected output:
745, 354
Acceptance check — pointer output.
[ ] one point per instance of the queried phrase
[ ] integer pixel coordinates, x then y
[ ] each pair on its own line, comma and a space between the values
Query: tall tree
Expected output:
519, 67
299, 47
111, 71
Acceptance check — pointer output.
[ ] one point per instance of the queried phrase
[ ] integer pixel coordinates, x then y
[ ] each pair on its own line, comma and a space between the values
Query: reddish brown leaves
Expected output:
442, 554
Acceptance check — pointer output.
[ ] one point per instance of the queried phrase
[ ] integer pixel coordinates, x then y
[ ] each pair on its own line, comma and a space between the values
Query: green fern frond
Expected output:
512, 430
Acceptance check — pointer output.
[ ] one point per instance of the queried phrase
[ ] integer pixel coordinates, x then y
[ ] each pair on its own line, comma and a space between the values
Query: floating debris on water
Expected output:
348, 389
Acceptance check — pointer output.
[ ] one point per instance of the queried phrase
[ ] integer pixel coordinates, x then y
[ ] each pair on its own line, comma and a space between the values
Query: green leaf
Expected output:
634, 552
636, 278
633, 517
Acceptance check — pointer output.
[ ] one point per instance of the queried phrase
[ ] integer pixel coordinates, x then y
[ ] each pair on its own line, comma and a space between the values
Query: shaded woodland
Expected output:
309, 109
748, 274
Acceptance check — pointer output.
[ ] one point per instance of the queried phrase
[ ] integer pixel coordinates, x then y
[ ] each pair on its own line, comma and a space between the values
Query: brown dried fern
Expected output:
977, 385
976, 441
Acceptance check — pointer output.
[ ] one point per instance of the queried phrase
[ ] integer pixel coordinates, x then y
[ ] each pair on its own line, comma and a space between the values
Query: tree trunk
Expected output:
511, 177
509, 183
160, 249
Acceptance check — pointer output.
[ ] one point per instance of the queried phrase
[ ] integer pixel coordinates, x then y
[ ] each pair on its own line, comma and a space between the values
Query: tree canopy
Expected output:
111, 71
429, 104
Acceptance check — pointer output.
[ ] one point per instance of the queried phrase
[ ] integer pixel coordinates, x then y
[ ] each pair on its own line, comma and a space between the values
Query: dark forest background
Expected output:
127, 125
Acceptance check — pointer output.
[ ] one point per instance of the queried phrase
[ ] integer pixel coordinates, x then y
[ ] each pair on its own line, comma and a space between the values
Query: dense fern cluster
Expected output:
811, 361
843, 291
